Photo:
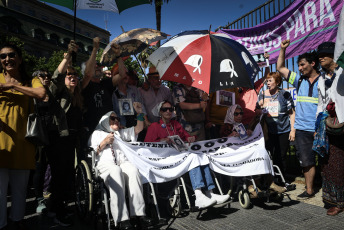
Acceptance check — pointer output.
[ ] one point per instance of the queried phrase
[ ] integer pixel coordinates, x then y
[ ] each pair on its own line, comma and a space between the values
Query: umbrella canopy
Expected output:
116, 6
206, 61
132, 42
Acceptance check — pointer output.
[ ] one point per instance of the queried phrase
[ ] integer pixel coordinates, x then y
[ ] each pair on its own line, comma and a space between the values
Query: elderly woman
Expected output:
117, 172
232, 120
17, 156
200, 176
280, 118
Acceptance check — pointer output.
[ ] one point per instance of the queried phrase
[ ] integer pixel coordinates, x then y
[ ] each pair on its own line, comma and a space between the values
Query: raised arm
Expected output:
121, 66
72, 46
91, 63
281, 59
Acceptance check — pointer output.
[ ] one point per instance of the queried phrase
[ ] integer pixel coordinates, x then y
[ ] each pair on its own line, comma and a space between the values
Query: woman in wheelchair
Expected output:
200, 176
117, 172
232, 121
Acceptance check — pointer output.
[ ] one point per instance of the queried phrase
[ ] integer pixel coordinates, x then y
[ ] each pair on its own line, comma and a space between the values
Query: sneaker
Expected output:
41, 205
219, 198
305, 195
62, 221
202, 201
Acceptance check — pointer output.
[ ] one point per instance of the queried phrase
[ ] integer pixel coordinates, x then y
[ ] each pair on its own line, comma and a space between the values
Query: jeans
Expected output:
201, 178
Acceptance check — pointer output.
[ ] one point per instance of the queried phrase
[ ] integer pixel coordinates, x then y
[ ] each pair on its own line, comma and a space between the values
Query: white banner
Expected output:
159, 162
107, 5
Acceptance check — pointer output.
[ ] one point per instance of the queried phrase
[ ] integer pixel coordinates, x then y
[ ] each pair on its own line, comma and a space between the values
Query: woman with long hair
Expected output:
17, 155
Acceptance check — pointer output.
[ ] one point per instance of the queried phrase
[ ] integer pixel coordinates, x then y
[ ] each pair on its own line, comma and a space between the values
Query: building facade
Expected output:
45, 29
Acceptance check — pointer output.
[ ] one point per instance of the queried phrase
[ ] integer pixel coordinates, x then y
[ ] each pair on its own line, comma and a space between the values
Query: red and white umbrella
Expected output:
206, 61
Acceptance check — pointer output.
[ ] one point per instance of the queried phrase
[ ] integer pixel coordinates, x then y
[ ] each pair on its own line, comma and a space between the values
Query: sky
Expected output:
176, 16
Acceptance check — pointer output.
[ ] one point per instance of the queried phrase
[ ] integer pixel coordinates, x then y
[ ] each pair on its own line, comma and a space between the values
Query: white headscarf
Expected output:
157, 107
230, 114
104, 123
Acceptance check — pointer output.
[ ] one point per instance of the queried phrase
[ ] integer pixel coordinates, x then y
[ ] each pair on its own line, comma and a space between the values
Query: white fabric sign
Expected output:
107, 5
158, 162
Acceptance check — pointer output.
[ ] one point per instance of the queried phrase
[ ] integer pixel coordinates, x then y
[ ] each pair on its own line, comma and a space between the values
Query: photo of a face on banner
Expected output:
126, 107
178, 143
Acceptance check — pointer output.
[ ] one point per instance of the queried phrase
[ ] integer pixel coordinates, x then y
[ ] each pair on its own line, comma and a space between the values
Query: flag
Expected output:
116, 6
66, 3
339, 50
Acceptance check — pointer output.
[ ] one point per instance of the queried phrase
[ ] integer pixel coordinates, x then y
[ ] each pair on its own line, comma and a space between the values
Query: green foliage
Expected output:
99, 54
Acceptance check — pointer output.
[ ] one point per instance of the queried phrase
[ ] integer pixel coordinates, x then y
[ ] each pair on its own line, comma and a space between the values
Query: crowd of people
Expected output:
105, 105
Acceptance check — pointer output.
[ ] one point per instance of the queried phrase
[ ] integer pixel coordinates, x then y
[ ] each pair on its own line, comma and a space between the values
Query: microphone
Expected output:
163, 125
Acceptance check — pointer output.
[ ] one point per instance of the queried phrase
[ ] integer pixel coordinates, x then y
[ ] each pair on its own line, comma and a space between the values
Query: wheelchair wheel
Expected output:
83, 190
278, 198
176, 206
244, 199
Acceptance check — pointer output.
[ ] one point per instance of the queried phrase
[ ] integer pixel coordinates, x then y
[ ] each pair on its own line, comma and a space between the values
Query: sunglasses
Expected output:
10, 55
72, 74
45, 75
236, 114
165, 109
113, 118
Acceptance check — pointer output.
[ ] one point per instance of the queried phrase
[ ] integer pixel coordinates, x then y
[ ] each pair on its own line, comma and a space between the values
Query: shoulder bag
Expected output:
36, 129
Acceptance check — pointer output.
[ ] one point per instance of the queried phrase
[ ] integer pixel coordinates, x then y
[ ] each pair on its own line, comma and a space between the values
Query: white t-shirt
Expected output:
106, 154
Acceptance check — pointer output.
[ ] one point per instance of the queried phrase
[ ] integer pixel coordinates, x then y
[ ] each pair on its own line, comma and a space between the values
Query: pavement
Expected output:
289, 214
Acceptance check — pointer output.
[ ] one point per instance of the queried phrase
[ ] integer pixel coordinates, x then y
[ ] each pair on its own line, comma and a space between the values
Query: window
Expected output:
17, 7
45, 18
31, 12
68, 27
57, 22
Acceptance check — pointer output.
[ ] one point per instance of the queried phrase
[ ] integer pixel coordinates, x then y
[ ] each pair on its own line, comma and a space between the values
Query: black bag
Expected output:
36, 129
333, 127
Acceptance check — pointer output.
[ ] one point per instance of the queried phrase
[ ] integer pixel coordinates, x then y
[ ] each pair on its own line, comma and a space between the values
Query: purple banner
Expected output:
306, 23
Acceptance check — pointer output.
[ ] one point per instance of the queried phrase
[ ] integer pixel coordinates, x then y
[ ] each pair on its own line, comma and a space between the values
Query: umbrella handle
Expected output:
144, 74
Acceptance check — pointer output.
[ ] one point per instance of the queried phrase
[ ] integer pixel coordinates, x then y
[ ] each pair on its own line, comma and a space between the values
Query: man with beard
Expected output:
97, 92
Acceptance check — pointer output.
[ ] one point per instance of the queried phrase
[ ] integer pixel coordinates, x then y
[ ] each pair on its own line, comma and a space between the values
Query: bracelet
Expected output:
140, 117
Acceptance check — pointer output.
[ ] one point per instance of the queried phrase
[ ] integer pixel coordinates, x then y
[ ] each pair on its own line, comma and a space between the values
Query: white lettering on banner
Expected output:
326, 4
158, 162
299, 27
310, 16
294, 26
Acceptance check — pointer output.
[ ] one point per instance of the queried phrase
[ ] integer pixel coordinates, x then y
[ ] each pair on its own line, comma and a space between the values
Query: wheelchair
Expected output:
181, 201
91, 194
244, 197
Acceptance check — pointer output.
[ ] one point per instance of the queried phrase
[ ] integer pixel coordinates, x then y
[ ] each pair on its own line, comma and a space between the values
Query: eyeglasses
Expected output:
165, 109
113, 118
10, 55
43, 75
236, 114
72, 74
